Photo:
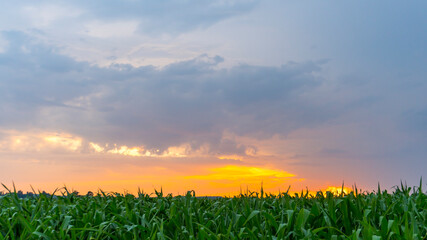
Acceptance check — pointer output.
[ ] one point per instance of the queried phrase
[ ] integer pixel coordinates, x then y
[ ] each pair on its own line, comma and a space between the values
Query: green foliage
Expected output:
381, 215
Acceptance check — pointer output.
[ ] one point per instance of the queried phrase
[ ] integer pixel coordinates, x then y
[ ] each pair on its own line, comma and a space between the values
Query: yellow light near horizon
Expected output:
227, 180
235, 176
338, 190
236, 172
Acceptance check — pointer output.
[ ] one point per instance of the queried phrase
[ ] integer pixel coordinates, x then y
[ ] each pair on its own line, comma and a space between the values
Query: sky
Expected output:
213, 96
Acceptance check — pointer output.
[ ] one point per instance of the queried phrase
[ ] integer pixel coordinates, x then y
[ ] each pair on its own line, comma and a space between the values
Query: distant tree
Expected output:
89, 194
20, 194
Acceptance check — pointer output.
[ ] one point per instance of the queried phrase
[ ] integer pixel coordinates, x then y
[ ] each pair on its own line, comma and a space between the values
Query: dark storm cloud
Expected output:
185, 102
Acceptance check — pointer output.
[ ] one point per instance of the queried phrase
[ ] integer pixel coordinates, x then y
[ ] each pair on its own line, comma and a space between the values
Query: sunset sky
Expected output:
214, 96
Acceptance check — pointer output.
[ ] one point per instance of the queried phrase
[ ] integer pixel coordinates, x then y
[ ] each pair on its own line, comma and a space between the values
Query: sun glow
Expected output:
338, 190
233, 172
233, 177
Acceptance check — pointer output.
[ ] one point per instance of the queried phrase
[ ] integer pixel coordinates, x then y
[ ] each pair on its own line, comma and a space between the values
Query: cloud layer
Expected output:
185, 102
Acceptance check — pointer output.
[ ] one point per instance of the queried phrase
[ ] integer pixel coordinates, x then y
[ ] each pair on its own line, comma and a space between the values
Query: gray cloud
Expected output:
190, 101
169, 16
154, 17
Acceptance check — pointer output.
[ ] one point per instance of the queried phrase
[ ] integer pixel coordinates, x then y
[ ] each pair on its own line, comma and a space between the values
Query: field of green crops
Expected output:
401, 214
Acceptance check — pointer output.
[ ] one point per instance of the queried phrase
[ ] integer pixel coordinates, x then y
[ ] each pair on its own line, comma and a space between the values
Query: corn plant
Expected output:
401, 214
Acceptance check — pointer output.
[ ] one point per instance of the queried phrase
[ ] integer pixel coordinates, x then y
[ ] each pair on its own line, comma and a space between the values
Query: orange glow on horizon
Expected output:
48, 159
231, 178
121, 168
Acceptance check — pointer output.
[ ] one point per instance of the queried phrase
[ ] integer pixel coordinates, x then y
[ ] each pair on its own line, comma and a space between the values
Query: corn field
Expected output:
401, 214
